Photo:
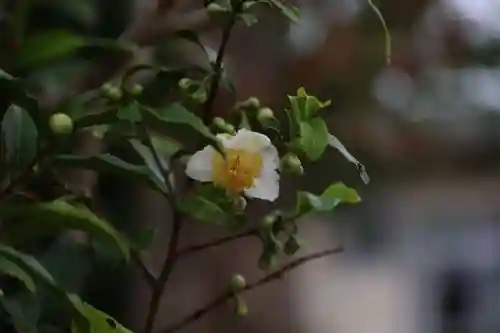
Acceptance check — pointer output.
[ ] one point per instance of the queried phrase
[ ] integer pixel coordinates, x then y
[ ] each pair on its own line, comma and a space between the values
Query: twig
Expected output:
146, 272
217, 242
172, 256
196, 315
218, 66
168, 267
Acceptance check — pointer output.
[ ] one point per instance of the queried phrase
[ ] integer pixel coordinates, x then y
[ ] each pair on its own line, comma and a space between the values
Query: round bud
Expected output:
252, 102
105, 88
291, 163
214, 8
240, 203
185, 83
241, 306
114, 93
229, 128
136, 89
200, 96
268, 221
237, 283
61, 124
219, 122
265, 114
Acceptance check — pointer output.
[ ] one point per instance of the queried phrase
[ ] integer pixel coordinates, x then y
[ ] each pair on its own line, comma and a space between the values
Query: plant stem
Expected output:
217, 242
218, 65
196, 315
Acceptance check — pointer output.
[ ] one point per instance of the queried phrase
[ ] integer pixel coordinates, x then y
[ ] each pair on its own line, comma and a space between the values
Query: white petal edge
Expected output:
199, 165
266, 186
248, 140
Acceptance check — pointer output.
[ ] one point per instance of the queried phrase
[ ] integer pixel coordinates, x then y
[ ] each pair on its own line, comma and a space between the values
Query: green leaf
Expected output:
334, 195
20, 136
15, 92
203, 209
47, 46
24, 311
107, 163
177, 119
31, 266
7, 267
313, 138
48, 218
98, 118
148, 158
130, 112
291, 12
335, 143
142, 239
99, 321
305, 106
193, 38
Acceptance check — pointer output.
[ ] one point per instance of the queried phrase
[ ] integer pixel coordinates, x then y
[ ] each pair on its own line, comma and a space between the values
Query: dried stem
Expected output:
198, 314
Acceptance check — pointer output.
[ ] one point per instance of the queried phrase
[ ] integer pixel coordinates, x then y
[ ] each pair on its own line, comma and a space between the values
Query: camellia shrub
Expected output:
224, 163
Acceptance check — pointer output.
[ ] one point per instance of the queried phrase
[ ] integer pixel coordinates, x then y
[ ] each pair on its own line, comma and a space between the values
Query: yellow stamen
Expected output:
238, 171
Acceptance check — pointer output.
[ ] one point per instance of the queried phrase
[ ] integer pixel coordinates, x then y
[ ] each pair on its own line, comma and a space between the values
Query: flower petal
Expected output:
199, 166
266, 186
248, 140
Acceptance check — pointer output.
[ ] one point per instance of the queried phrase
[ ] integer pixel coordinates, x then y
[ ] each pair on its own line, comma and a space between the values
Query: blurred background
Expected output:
421, 250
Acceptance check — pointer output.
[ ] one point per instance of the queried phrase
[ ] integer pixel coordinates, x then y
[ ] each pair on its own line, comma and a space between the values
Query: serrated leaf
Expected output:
107, 163
130, 112
202, 209
335, 143
48, 218
14, 92
147, 156
23, 310
20, 136
31, 266
313, 138
193, 38
291, 12
177, 119
334, 195
99, 321
9, 268
48, 46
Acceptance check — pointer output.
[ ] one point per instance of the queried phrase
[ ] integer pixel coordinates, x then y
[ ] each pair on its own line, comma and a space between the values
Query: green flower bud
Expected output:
237, 283
200, 96
291, 163
218, 122
185, 83
268, 221
61, 124
265, 114
241, 306
252, 102
136, 89
105, 88
114, 93
240, 203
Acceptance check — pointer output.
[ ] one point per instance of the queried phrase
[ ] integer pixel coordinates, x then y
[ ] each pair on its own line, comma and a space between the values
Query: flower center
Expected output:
238, 171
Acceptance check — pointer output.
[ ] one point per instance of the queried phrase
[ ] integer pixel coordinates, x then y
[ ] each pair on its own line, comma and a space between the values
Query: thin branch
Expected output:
172, 256
218, 66
146, 272
217, 242
166, 272
198, 314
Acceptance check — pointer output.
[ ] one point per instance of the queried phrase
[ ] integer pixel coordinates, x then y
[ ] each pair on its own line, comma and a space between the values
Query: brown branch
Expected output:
168, 267
198, 314
217, 242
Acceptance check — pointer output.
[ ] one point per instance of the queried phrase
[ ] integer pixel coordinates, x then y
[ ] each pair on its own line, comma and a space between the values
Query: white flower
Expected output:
251, 165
